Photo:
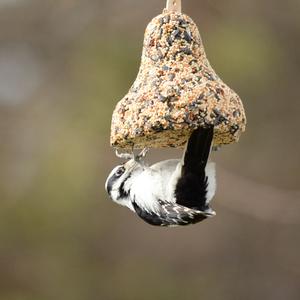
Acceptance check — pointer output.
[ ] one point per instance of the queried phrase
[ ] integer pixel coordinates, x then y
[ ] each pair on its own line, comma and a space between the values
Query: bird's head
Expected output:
119, 181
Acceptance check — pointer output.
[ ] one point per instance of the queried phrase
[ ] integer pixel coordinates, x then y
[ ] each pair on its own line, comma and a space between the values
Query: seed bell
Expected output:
176, 91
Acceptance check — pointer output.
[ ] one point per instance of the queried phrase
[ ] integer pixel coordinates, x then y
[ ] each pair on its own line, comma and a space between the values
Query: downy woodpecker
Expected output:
171, 192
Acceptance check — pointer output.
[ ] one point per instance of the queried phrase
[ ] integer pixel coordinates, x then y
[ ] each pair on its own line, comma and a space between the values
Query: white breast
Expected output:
153, 184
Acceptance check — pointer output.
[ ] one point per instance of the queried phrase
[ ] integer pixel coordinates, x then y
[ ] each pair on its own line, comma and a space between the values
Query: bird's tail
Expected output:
198, 149
194, 185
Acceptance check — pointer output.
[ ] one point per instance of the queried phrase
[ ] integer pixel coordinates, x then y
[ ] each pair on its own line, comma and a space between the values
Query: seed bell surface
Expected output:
176, 91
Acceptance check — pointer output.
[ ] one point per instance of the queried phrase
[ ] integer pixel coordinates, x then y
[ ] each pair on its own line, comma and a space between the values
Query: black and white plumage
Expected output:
171, 192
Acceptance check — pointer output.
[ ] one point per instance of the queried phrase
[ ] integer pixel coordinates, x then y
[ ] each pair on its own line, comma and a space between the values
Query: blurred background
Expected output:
63, 67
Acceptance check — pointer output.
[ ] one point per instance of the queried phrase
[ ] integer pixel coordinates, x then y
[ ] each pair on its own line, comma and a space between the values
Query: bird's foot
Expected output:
125, 155
142, 154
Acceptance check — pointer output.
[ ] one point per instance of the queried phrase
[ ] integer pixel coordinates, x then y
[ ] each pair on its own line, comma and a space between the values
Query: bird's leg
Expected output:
142, 154
124, 155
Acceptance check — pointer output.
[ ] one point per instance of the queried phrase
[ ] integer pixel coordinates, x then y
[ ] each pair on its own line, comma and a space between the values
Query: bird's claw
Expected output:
124, 155
142, 154
131, 155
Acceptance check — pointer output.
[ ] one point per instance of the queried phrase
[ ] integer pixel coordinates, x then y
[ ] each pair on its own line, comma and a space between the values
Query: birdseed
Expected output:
175, 92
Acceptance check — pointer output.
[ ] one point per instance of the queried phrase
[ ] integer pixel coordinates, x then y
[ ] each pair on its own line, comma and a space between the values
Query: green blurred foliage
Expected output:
62, 238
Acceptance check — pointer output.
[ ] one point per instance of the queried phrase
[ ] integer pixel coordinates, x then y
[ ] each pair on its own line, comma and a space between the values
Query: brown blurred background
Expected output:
63, 66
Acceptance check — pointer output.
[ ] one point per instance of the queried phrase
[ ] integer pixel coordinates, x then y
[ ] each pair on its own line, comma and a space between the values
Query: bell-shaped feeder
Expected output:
176, 90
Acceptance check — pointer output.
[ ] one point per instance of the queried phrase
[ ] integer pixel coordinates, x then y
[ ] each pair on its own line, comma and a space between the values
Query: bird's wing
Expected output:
171, 214
192, 186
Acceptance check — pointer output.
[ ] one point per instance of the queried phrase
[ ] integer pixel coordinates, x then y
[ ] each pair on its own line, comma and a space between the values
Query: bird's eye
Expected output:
120, 171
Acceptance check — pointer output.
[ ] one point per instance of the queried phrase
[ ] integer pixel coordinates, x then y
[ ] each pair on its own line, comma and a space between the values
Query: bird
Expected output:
173, 192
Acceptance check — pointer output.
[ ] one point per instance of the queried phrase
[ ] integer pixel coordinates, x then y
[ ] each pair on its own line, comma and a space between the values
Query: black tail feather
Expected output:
191, 188
198, 149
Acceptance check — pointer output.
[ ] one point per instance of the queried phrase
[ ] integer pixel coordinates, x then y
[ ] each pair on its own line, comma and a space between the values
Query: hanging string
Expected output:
173, 5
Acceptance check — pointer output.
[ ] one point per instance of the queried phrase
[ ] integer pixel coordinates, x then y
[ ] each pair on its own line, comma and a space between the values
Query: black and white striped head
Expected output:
120, 179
